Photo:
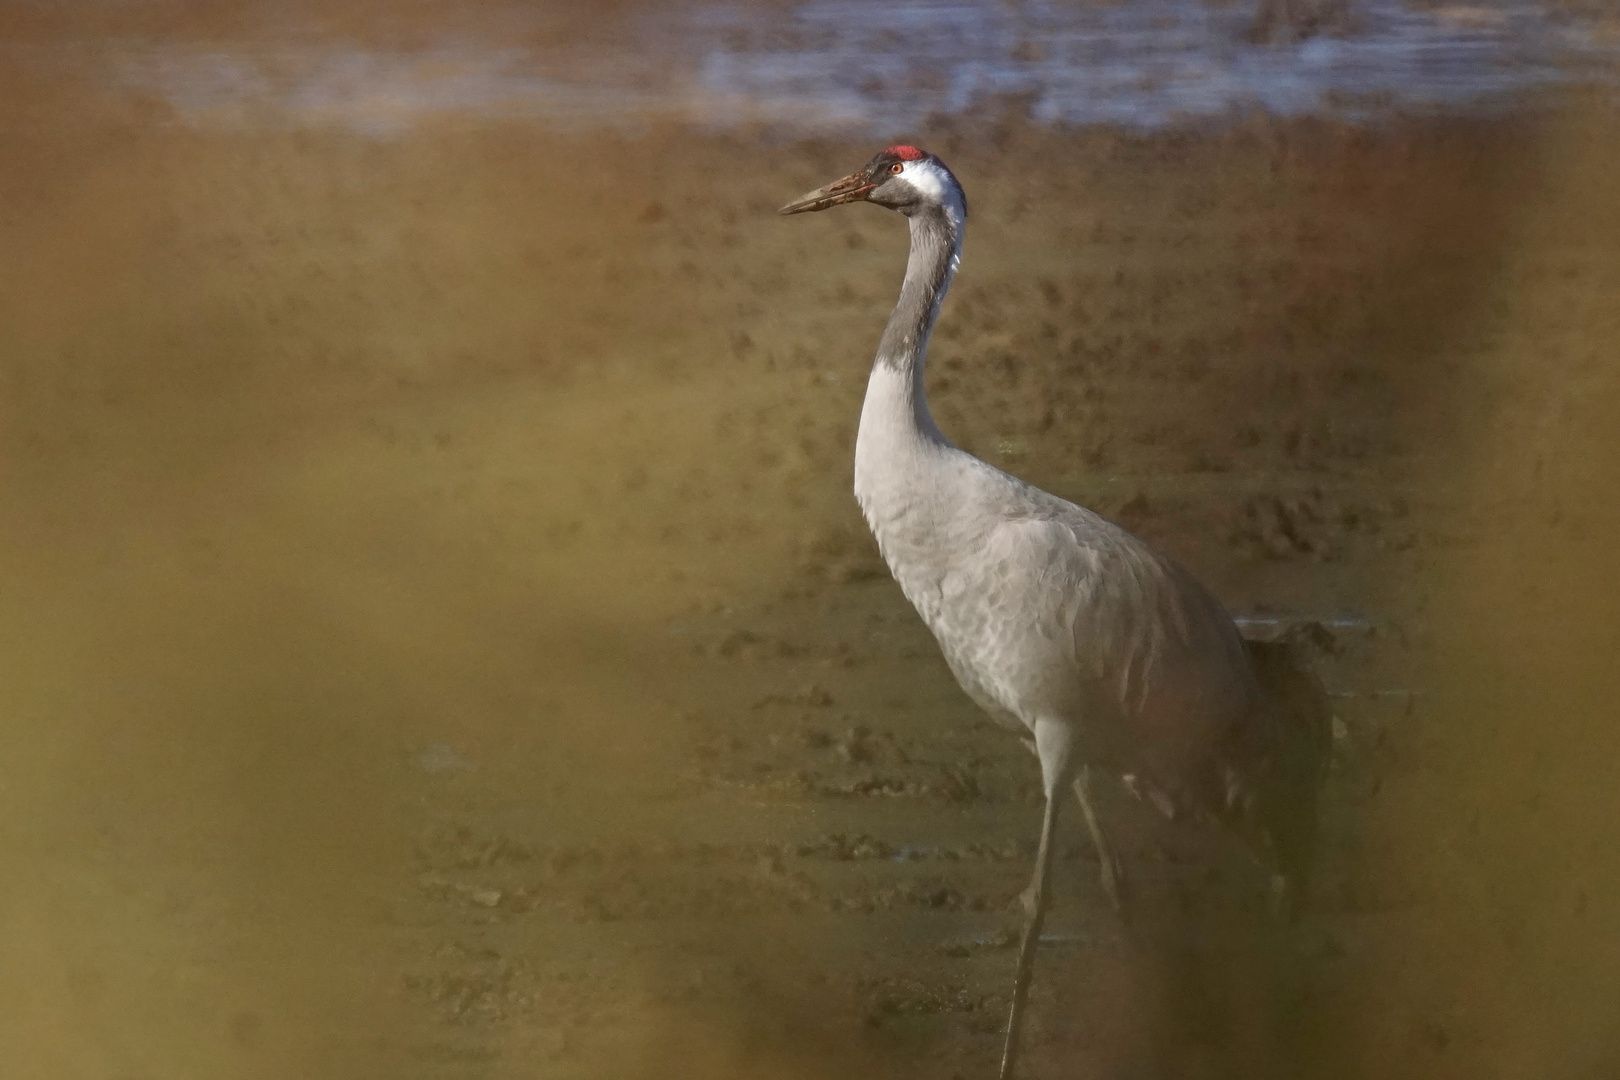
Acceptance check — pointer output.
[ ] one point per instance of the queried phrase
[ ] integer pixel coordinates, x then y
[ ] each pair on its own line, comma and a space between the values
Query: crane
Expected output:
1102, 654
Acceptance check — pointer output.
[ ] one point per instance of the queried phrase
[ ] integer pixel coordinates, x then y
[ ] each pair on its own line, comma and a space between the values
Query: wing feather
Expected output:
1085, 619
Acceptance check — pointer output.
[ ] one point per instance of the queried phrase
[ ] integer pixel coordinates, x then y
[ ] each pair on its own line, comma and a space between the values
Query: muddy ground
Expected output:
439, 641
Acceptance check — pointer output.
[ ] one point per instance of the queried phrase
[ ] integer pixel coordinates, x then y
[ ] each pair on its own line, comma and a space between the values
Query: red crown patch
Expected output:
907, 153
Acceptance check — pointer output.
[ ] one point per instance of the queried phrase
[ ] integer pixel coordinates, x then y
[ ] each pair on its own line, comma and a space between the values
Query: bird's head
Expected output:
901, 178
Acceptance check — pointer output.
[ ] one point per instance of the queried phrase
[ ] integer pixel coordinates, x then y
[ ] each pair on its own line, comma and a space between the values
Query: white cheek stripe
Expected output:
925, 176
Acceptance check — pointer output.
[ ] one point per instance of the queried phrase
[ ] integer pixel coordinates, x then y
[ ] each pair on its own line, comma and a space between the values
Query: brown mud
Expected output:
439, 640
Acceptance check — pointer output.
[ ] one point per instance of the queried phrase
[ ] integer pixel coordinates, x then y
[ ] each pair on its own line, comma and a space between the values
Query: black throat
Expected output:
936, 243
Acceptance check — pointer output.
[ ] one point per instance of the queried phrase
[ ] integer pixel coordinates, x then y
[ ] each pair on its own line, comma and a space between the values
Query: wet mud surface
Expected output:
440, 641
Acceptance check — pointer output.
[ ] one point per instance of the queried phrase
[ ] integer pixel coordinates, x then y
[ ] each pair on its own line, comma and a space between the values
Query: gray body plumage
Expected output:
1044, 610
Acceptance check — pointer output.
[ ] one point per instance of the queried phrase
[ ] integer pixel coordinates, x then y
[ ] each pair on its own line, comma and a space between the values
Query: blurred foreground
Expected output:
439, 642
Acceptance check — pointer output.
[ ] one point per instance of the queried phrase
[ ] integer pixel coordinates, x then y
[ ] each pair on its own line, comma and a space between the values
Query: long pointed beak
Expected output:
849, 189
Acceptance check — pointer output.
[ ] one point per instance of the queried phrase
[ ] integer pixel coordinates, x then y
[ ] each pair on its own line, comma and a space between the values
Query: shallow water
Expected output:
836, 66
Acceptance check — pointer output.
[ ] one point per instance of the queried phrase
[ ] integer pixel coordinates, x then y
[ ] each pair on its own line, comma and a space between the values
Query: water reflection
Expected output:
881, 68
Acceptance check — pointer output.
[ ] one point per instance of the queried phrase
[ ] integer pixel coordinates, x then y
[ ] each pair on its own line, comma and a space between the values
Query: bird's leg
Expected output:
1035, 903
1113, 874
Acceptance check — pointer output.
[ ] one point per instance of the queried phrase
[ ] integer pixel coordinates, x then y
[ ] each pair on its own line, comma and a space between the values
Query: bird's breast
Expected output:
914, 538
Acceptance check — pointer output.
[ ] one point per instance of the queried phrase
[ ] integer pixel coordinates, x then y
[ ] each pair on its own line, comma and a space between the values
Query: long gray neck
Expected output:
904, 478
936, 247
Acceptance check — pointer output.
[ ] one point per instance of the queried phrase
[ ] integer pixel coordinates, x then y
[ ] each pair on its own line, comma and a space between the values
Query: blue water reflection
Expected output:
859, 66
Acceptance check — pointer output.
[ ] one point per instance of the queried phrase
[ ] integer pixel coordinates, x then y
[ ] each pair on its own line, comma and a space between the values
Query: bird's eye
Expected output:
897, 168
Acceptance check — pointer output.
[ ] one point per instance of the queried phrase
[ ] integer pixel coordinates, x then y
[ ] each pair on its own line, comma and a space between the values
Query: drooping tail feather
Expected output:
1285, 807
